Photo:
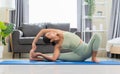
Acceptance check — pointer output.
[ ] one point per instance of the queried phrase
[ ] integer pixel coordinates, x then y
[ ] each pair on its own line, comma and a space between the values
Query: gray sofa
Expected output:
22, 38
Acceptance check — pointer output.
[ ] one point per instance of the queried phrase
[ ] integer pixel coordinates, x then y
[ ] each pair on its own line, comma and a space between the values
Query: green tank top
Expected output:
71, 41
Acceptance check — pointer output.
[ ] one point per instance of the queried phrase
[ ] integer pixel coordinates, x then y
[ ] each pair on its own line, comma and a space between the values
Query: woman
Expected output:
66, 40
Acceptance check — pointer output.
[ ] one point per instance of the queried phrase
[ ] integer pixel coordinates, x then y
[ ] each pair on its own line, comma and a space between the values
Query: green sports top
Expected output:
71, 41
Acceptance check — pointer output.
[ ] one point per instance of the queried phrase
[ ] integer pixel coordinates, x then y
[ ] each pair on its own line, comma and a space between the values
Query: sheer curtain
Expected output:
114, 28
21, 12
79, 15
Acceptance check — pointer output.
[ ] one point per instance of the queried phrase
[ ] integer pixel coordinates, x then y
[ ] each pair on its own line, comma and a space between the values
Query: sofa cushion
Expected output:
61, 26
32, 29
29, 40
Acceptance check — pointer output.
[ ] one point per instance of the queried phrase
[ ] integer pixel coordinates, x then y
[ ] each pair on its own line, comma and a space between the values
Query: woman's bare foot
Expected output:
95, 60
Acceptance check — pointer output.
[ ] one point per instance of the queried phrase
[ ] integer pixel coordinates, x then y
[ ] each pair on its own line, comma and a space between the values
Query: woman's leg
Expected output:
70, 56
94, 42
93, 45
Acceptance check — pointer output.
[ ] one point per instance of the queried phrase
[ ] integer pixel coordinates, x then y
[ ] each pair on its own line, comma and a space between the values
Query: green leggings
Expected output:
83, 51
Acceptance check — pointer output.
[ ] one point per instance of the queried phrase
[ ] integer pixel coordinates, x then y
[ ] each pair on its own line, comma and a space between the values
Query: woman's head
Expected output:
50, 37
53, 36
46, 40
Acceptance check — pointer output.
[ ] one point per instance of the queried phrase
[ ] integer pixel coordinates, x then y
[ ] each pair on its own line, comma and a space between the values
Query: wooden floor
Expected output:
59, 69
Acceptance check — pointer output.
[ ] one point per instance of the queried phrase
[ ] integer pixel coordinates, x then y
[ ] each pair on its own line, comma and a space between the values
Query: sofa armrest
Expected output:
16, 36
18, 33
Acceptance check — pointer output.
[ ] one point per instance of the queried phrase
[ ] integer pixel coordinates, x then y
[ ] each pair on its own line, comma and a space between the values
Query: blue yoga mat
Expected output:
28, 62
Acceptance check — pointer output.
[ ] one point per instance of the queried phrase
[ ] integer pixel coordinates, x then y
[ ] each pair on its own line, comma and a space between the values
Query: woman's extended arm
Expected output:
55, 54
32, 51
42, 32
36, 39
56, 49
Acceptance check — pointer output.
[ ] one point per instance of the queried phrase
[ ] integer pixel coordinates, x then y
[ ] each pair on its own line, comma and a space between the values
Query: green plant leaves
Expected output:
86, 0
6, 29
2, 26
91, 9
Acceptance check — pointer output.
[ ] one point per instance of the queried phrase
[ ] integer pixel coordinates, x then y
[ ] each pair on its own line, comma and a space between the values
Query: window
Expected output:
53, 11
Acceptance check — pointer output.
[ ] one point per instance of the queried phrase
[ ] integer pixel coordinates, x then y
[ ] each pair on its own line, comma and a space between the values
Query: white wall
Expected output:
54, 11
7, 3
2, 3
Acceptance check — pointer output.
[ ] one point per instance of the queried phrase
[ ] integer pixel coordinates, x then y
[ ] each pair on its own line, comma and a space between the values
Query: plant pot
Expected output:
1, 51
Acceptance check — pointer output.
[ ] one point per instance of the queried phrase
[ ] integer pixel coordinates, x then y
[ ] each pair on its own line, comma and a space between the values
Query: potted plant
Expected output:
91, 7
5, 30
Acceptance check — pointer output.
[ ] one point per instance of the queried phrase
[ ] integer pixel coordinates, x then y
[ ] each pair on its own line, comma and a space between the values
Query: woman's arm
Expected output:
55, 54
41, 33
36, 39
32, 51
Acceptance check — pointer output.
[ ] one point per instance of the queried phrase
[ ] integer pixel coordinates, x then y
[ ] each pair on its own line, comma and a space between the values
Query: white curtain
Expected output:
114, 29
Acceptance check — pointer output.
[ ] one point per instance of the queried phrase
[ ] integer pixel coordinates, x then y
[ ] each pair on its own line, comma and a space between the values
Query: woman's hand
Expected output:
32, 54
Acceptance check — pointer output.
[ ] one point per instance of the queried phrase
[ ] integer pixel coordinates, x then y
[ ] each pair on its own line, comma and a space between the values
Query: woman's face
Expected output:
52, 35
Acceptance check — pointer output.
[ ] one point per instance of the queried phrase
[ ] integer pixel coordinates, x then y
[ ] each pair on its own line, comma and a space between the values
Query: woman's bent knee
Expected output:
97, 37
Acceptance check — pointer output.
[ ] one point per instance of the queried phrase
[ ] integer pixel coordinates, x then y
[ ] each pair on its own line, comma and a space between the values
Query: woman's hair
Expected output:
47, 40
